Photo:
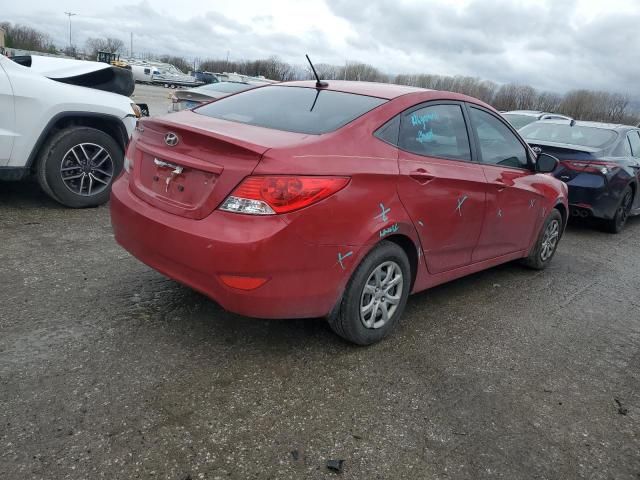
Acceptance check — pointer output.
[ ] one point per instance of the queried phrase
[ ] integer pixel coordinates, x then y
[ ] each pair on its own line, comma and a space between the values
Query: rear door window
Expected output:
634, 139
436, 131
292, 109
498, 145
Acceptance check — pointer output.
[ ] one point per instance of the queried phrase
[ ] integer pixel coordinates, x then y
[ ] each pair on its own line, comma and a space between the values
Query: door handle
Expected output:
421, 176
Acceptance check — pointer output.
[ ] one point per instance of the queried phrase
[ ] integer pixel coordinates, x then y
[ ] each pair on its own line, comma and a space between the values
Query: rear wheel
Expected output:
375, 296
78, 165
547, 242
619, 220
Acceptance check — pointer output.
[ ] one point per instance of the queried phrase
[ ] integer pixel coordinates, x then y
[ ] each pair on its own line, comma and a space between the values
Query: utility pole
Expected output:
69, 14
131, 44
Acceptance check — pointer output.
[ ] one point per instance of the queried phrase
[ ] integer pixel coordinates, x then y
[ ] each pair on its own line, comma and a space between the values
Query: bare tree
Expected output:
362, 72
580, 104
180, 63
109, 44
548, 102
26, 38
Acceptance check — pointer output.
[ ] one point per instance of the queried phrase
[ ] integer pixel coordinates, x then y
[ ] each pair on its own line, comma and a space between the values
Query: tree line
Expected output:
580, 104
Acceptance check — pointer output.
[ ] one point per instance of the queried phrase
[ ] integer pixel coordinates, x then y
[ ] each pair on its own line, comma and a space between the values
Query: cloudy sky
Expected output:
551, 44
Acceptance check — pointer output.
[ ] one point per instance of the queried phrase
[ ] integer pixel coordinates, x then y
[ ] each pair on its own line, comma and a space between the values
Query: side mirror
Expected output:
546, 163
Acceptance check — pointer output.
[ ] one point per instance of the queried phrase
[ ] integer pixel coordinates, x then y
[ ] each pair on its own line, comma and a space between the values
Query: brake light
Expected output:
591, 167
273, 194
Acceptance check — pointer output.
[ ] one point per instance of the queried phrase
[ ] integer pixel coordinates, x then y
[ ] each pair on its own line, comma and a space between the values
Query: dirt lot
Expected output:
108, 370
157, 98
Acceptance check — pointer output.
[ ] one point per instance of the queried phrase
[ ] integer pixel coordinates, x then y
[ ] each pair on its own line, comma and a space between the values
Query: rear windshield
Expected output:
564, 133
292, 109
519, 121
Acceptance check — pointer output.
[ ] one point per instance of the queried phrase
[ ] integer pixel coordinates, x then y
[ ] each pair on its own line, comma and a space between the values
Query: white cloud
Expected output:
556, 45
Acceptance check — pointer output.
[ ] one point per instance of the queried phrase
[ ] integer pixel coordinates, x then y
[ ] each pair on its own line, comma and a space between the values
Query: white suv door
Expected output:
7, 118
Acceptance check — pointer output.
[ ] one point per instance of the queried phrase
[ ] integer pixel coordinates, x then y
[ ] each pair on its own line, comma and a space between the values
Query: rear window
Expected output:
518, 121
564, 133
292, 109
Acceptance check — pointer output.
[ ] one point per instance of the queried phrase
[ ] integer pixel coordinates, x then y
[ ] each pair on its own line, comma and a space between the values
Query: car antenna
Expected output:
319, 83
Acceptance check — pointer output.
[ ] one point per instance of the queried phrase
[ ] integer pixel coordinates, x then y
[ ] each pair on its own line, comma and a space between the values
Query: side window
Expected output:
147, 71
389, 131
498, 145
436, 131
635, 144
626, 146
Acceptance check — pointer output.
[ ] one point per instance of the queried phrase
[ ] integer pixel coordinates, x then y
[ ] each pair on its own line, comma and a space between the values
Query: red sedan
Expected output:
306, 200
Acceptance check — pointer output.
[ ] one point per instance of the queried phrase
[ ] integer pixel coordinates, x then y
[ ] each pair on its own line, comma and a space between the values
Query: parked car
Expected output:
521, 118
298, 200
72, 138
206, 77
599, 162
185, 99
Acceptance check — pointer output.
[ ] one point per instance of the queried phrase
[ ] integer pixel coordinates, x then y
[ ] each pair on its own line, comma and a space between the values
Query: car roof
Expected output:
581, 123
532, 113
372, 89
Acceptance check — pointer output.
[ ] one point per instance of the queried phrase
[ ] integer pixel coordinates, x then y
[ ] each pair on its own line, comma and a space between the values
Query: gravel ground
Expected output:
109, 370
157, 98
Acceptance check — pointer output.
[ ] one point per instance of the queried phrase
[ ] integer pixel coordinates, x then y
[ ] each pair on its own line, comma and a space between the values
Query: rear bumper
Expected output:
305, 280
592, 195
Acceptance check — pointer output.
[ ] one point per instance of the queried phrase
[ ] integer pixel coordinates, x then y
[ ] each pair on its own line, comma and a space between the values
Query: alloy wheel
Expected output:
87, 169
550, 240
381, 295
623, 210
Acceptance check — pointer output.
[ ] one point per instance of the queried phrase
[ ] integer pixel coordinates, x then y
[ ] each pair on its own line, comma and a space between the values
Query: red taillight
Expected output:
590, 167
264, 195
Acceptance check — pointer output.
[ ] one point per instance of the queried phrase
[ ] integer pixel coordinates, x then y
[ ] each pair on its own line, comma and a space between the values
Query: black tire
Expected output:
619, 220
56, 152
542, 252
346, 319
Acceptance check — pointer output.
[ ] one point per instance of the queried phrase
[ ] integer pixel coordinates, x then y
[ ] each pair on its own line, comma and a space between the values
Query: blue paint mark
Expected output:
383, 215
460, 203
500, 212
532, 202
392, 229
342, 257
425, 137
422, 120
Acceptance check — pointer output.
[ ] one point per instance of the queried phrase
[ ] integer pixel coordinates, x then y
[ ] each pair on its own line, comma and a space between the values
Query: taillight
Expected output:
590, 167
273, 194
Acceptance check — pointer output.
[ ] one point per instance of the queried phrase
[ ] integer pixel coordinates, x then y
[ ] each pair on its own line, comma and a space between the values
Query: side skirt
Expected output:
444, 277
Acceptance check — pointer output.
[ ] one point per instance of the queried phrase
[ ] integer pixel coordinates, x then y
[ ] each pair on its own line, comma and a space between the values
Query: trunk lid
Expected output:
211, 157
574, 159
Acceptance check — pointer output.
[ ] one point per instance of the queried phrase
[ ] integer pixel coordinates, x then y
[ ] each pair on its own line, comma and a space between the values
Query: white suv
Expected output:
71, 137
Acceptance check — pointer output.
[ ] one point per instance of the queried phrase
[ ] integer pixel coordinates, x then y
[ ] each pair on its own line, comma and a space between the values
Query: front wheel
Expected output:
375, 296
547, 242
77, 166
619, 220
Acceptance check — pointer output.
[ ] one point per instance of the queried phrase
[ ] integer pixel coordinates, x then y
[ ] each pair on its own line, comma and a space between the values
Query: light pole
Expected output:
69, 14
